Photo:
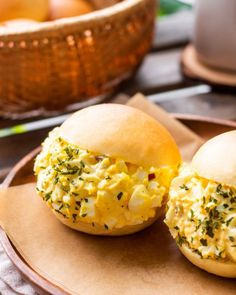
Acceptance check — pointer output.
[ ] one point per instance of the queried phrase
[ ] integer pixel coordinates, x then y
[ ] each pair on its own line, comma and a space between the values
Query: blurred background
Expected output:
57, 56
58, 64
168, 7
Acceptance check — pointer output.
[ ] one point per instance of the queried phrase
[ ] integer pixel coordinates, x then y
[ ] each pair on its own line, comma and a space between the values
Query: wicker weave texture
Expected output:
70, 60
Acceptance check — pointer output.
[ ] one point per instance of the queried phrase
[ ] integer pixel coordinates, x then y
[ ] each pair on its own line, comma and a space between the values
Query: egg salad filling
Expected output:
202, 215
98, 189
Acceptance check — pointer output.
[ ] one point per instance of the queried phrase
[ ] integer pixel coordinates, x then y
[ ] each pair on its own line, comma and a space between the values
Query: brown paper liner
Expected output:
144, 263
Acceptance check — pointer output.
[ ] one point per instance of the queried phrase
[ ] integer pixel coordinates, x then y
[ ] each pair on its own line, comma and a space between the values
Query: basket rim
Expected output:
97, 15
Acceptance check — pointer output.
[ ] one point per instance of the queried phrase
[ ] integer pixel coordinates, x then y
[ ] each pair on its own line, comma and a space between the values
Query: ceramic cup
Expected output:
215, 33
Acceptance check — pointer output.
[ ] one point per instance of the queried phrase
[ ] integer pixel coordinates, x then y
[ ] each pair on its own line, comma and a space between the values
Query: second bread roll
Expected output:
69, 8
27, 9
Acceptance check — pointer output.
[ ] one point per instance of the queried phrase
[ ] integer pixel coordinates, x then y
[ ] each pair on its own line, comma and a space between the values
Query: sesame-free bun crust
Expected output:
122, 132
101, 231
216, 159
219, 268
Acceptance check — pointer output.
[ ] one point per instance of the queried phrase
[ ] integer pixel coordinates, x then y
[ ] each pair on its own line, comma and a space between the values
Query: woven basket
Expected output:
67, 61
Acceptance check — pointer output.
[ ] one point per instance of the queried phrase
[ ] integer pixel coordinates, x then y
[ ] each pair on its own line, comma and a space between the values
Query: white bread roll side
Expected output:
219, 268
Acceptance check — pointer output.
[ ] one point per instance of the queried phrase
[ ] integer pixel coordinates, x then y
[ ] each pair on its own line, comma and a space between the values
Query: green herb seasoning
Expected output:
119, 196
184, 186
61, 206
203, 242
106, 226
192, 214
232, 239
181, 240
48, 196
228, 221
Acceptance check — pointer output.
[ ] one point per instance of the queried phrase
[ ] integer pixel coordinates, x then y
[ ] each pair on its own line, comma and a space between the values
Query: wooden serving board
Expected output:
22, 173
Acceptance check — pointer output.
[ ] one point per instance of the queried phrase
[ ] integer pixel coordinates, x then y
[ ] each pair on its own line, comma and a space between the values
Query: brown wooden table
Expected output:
159, 74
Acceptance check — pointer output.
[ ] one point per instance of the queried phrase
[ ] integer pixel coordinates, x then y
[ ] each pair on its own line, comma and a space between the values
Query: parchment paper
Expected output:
144, 263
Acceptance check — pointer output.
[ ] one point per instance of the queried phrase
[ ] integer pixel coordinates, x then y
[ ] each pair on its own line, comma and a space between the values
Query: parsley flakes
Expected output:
184, 186
119, 196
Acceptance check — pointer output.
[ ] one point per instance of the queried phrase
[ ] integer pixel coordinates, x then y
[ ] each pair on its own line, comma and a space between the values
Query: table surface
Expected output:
159, 77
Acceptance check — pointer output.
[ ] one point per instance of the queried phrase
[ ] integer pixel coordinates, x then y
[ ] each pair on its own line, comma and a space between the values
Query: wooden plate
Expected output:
22, 173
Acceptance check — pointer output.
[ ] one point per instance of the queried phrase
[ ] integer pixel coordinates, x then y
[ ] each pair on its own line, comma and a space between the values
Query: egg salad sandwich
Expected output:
107, 170
201, 212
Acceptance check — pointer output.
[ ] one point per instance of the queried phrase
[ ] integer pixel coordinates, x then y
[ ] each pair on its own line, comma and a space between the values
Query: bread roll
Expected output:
201, 211
123, 132
24, 9
68, 8
217, 159
219, 268
107, 170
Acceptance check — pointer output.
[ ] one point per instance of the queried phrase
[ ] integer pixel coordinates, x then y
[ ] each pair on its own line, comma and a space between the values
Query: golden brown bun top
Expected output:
122, 132
216, 159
